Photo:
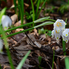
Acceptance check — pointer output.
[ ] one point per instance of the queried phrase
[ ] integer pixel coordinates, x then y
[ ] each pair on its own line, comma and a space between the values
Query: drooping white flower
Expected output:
56, 34
65, 35
59, 25
1, 45
6, 22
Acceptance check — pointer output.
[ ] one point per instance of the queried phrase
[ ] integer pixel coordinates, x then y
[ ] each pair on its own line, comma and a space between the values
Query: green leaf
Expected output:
15, 5
49, 33
2, 13
41, 19
43, 24
23, 60
67, 62
39, 58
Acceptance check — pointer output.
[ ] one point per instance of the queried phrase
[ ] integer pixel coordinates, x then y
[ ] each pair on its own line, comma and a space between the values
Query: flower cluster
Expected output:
59, 30
6, 23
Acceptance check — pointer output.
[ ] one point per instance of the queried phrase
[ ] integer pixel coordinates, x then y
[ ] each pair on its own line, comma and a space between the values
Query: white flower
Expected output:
1, 45
6, 22
56, 34
65, 35
59, 25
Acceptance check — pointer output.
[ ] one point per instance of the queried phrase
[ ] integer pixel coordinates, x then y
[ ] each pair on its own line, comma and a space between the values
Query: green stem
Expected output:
10, 59
15, 5
64, 47
0, 66
43, 24
33, 11
41, 8
68, 1
6, 46
37, 8
21, 26
36, 21
53, 58
22, 11
64, 44
20, 32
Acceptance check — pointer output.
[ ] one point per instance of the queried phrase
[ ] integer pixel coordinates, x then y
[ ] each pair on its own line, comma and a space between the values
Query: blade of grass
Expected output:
67, 63
15, 5
39, 58
5, 39
68, 1
18, 27
37, 21
43, 24
41, 8
6, 46
2, 13
19, 32
53, 58
23, 60
38, 3
33, 11
0, 66
21, 9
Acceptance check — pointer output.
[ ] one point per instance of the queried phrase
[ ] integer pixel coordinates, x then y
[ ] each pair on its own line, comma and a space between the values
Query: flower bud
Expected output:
6, 22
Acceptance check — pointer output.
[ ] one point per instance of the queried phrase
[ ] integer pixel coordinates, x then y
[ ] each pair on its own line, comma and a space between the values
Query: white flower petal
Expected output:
65, 32
6, 21
56, 34
1, 45
59, 24
65, 35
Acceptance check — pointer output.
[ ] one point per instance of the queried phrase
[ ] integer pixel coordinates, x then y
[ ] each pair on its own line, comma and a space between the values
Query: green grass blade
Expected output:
19, 32
43, 24
41, 8
33, 10
23, 60
67, 63
21, 26
6, 46
64, 47
27, 24
42, 19
0, 66
39, 58
38, 3
68, 1
15, 6
2, 13
53, 59
21, 9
